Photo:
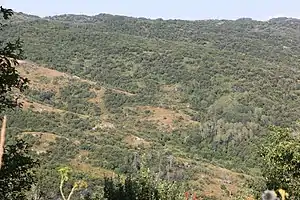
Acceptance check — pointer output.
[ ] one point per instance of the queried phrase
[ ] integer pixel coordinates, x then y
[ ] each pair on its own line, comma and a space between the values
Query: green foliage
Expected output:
281, 160
10, 79
143, 186
6, 13
234, 77
64, 177
75, 98
17, 173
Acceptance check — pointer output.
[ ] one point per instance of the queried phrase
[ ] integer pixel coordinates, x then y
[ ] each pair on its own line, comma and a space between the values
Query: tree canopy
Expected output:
16, 175
281, 164
10, 79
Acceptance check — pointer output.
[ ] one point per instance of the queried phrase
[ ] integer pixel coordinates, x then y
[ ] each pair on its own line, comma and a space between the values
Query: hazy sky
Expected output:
166, 9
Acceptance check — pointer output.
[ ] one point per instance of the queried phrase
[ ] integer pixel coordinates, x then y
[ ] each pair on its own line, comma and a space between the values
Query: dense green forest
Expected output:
188, 95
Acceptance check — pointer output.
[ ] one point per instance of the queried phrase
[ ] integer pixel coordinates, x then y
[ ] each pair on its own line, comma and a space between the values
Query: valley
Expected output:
193, 100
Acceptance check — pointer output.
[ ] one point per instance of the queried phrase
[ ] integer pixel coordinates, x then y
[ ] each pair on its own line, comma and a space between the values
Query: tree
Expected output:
16, 170
143, 186
281, 162
64, 176
10, 80
17, 175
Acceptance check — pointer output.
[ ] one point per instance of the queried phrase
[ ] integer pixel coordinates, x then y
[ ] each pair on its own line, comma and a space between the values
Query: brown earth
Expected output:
135, 141
37, 107
166, 118
44, 140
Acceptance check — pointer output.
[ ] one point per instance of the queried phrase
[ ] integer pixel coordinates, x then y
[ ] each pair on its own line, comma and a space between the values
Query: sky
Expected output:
166, 9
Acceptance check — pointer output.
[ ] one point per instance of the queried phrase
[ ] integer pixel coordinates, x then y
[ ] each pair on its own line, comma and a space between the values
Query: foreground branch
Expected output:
2, 140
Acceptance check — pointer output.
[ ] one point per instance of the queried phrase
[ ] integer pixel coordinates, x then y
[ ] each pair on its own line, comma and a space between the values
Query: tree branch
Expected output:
2, 140
71, 193
61, 189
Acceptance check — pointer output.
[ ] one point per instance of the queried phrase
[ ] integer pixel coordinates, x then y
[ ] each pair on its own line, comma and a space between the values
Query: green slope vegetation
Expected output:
65, 132
183, 90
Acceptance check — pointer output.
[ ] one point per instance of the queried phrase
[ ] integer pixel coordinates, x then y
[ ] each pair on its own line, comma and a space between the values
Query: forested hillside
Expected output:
192, 95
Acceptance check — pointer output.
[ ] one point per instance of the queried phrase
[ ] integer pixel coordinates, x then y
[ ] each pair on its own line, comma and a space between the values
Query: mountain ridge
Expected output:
282, 18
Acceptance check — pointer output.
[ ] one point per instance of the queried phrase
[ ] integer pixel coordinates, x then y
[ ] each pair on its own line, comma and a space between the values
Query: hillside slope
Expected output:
103, 144
204, 91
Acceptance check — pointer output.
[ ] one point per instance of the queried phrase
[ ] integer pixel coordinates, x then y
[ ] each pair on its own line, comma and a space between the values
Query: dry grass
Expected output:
167, 119
79, 164
99, 96
40, 77
43, 136
37, 107
46, 79
44, 140
123, 92
214, 178
210, 178
134, 141
169, 88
